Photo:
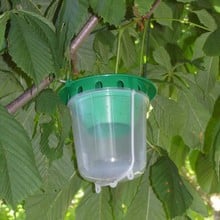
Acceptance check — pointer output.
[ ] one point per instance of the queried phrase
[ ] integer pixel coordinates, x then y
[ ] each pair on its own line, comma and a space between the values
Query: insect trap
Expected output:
109, 126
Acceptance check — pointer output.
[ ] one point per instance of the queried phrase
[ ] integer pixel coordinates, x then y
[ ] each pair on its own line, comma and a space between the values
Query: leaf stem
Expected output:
118, 50
142, 49
183, 22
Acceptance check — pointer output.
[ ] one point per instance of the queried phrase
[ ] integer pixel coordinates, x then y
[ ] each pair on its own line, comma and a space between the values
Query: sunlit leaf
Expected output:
169, 187
198, 204
19, 175
206, 175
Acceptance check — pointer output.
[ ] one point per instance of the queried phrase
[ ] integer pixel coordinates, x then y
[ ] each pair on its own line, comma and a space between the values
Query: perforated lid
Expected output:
137, 83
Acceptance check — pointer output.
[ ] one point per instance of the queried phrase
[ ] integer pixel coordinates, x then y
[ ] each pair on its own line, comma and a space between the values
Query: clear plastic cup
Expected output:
109, 128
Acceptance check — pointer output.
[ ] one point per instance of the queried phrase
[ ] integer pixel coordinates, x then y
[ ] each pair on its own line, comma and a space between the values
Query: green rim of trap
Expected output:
96, 82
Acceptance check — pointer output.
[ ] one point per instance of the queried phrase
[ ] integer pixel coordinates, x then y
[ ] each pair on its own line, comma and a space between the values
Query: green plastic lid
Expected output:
89, 83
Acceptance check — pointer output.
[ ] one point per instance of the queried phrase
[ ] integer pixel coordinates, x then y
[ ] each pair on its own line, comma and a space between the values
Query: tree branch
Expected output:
29, 94
85, 31
77, 41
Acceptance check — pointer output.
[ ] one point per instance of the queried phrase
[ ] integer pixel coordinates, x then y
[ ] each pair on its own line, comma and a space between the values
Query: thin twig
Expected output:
154, 6
29, 94
83, 34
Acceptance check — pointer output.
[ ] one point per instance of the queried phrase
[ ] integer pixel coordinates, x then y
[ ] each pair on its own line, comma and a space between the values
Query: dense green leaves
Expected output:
19, 174
169, 187
59, 186
178, 48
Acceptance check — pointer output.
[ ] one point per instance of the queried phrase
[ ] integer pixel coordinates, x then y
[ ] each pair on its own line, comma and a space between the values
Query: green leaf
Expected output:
185, 1
27, 5
164, 14
162, 57
5, 5
60, 185
206, 19
47, 102
145, 204
104, 45
212, 136
206, 175
216, 5
169, 187
198, 204
8, 84
112, 11
207, 78
198, 45
166, 120
128, 51
3, 21
29, 49
19, 175
143, 6
50, 145
46, 30
212, 44
178, 151
94, 206
197, 115
72, 16
85, 56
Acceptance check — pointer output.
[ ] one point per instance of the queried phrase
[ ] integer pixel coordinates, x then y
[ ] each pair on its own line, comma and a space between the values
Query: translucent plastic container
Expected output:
109, 128
109, 125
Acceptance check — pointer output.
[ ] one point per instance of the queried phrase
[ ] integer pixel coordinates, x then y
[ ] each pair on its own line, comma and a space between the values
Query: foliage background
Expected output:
178, 49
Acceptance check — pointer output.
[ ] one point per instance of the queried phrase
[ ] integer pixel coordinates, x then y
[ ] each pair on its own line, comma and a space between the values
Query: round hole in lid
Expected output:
80, 89
120, 84
98, 85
